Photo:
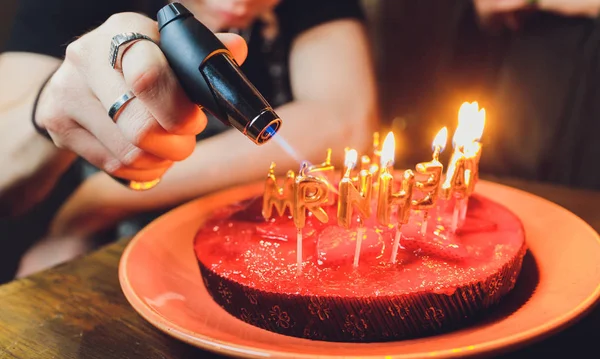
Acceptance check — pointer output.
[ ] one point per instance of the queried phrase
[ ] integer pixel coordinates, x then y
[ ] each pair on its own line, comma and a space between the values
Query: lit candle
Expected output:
455, 184
297, 195
365, 163
387, 198
472, 121
348, 169
310, 193
350, 197
472, 147
463, 168
433, 170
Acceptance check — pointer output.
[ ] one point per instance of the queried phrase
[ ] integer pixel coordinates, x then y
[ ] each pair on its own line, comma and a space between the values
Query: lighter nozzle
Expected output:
211, 77
263, 127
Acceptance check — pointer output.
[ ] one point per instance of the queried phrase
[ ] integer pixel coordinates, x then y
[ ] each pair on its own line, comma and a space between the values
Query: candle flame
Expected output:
478, 125
388, 149
471, 122
351, 158
440, 139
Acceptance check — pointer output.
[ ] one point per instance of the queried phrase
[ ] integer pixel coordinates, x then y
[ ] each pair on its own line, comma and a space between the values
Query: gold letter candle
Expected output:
463, 169
310, 193
350, 197
326, 171
274, 196
402, 200
387, 198
430, 187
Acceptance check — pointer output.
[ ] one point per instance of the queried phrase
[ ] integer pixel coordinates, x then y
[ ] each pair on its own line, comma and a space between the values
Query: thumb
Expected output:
236, 44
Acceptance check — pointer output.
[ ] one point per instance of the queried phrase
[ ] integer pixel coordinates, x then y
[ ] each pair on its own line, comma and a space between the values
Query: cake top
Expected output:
367, 230
240, 245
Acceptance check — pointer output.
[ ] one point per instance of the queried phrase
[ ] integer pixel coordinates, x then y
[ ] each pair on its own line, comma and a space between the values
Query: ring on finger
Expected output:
113, 111
116, 107
120, 43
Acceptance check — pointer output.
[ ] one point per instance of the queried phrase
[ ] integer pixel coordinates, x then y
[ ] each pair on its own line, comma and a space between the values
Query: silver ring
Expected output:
121, 101
117, 48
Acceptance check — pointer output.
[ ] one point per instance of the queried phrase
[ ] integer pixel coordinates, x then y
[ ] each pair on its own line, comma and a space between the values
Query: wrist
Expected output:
39, 128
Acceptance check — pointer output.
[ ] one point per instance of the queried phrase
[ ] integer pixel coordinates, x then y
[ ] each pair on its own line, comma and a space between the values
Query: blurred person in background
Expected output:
533, 65
544, 101
51, 188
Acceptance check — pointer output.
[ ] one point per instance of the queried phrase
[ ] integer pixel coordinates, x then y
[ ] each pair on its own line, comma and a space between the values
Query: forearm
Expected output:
30, 164
225, 160
335, 107
228, 159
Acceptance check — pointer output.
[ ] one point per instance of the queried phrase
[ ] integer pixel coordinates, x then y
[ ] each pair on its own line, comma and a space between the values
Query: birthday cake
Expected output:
371, 256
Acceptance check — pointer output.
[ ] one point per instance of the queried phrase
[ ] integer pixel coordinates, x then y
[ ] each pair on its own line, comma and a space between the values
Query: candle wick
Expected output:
348, 172
436, 153
387, 164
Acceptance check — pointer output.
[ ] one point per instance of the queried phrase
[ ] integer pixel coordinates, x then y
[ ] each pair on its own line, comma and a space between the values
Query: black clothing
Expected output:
48, 26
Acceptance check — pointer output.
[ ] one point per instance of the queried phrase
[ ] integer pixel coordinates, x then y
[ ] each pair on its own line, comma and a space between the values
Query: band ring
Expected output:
117, 46
116, 107
137, 185
112, 113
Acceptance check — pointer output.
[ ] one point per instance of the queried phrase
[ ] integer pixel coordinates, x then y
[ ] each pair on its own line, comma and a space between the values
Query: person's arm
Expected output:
30, 163
493, 13
154, 129
333, 85
41, 30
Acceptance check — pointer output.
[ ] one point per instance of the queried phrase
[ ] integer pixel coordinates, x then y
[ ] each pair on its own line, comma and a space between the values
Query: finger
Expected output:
135, 121
147, 73
142, 130
236, 45
92, 117
140, 175
82, 142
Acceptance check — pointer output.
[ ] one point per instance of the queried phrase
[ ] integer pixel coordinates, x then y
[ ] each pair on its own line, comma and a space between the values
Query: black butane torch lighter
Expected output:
210, 76
211, 79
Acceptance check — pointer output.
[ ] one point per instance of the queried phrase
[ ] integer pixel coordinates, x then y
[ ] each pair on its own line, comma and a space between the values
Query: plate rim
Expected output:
504, 344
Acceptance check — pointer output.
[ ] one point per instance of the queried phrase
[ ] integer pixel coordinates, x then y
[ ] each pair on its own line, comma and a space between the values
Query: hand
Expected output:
490, 9
154, 129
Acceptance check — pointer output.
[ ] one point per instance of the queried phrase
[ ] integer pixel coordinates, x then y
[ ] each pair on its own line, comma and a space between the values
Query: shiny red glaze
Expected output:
262, 254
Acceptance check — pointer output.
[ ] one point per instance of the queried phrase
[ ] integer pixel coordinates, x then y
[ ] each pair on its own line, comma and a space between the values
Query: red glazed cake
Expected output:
440, 282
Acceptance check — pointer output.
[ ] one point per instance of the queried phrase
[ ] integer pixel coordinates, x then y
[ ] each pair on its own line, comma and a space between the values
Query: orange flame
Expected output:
471, 122
440, 139
351, 158
388, 149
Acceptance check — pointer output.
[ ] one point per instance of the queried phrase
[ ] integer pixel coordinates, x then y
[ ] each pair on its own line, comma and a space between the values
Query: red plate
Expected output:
559, 283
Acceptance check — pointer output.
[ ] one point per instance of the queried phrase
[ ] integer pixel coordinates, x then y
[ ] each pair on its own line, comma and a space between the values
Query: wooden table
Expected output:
77, 310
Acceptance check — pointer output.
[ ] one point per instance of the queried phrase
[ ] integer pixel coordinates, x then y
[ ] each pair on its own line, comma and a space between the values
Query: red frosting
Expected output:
239, 245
